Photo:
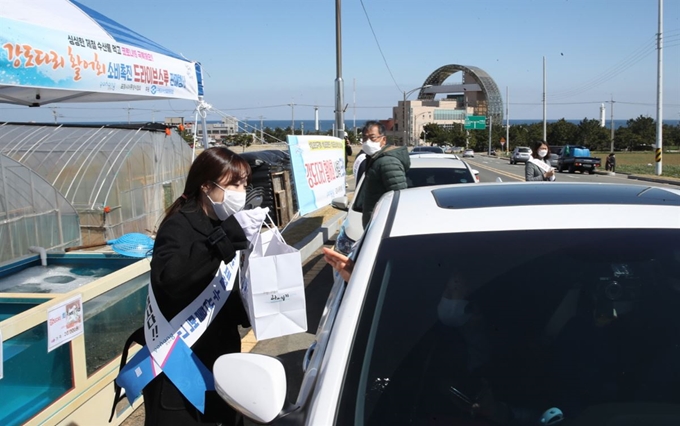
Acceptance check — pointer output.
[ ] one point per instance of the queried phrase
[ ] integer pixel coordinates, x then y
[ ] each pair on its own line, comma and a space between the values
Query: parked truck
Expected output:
577, 158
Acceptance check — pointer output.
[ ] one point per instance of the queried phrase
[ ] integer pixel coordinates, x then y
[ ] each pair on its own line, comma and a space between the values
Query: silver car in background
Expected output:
521, 154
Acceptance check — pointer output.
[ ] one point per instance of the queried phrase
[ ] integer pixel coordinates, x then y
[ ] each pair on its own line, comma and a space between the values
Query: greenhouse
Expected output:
117, 179
32, 212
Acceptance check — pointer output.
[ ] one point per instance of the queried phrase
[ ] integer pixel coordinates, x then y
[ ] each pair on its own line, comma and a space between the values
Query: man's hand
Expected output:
339, 262
251, 221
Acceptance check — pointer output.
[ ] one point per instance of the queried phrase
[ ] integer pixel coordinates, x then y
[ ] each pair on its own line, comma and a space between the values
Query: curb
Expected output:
655, 180
319, 236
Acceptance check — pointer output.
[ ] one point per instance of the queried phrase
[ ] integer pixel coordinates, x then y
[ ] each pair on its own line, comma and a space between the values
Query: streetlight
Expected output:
415, 125
403, 106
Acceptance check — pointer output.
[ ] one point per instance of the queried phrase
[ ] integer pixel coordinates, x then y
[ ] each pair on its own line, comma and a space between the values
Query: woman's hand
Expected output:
549, 174
339, 262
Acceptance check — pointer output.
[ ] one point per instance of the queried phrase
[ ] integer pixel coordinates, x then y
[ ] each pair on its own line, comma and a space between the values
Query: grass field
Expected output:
642, 163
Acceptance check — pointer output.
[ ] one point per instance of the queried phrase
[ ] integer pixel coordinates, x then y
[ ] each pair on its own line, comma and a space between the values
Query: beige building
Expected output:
476, 94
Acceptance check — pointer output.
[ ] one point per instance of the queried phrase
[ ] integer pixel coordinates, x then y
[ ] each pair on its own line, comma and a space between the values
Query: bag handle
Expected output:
274, 229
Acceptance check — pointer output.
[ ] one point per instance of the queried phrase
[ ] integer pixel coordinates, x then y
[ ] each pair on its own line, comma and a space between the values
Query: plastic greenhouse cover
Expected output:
32, 213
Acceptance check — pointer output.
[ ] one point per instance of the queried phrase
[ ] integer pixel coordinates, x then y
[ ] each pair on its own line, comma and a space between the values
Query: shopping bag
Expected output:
272, 287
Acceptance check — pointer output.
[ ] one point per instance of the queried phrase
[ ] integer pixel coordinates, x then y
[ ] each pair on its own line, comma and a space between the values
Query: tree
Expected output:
593, 135
562, 132
642, 131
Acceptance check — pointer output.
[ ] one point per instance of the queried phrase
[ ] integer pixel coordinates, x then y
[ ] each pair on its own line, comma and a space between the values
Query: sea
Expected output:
326, 125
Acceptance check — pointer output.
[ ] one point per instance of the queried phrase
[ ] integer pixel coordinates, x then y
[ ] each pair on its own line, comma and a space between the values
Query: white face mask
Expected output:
370, 147
451, 312
232, 202
542, 153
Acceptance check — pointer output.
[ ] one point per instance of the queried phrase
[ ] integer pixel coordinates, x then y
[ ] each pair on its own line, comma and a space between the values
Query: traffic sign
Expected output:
502, 140
475, 122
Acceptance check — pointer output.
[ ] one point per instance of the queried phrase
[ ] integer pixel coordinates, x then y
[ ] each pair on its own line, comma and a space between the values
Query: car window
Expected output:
574, 327
435, 149
524, 150
442, 176
423, 176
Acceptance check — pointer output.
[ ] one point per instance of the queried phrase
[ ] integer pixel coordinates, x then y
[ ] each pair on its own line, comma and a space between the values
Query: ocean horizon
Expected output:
327, 125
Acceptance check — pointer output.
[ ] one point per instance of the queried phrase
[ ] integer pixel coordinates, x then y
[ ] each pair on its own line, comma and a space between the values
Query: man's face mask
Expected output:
370, 147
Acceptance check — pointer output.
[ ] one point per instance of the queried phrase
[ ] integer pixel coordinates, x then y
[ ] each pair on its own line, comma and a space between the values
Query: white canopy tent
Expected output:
54, 51
62, 51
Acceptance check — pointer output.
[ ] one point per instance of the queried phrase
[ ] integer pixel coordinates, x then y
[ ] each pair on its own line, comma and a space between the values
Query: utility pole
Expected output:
490, 133
339, 95
354, 107
261, 129
507, 120
545, 108
292, 118
659, 95
611, 122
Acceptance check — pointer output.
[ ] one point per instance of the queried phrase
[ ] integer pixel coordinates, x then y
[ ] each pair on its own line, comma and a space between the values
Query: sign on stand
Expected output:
475, 122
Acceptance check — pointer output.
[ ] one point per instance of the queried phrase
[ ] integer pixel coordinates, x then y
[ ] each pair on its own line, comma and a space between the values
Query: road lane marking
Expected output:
500, 172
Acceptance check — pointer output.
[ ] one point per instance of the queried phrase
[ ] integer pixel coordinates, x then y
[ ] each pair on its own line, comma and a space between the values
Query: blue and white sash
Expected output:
168, 344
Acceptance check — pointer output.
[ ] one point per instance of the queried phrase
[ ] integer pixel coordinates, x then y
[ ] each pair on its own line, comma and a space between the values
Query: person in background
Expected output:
610, 164
201, 233
348, 150
538, 167
385, 170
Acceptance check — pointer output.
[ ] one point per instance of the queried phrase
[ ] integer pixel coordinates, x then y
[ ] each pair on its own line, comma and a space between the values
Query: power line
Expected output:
379, 48
638, 55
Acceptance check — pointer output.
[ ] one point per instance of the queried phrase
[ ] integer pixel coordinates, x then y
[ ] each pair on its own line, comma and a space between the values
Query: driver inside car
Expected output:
621, 346
462, 323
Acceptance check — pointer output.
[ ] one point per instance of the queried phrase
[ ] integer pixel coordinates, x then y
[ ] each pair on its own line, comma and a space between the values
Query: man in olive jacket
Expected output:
385, 171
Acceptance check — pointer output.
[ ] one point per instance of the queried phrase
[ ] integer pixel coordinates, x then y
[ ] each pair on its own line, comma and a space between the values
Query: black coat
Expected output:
184, 262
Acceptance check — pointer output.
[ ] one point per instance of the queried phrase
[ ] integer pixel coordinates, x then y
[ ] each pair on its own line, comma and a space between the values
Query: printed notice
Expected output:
64, 322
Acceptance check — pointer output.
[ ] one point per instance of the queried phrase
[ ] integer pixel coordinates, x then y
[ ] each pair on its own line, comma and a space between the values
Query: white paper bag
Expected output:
273, 288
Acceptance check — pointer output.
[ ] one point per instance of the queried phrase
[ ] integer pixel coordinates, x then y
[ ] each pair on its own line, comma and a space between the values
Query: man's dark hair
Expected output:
372, 123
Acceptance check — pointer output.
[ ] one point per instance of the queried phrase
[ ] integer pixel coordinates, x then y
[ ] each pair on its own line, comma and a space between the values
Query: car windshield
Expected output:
525, 150
435, 149
425, 176
586, 325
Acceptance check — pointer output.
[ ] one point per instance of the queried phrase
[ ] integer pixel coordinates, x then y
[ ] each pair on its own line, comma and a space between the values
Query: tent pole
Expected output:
202, 108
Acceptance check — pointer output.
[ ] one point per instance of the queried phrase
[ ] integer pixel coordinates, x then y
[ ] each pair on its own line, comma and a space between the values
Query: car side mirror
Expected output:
252, 384
340, 203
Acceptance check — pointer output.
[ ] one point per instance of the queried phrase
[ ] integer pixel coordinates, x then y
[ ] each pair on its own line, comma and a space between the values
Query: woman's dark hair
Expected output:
536, 146
207, 168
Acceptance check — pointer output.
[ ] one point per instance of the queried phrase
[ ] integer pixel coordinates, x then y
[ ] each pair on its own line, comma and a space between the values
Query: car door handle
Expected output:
308, 356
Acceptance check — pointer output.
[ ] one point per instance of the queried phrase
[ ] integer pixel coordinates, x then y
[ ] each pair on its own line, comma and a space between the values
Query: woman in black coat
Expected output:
201, 230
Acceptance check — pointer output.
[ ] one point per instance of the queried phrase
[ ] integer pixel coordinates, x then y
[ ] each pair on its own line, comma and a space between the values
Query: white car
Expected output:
467, 306
468, 153
425, 170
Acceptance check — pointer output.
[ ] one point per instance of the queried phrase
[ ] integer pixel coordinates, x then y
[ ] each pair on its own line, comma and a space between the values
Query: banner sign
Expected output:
64, 322
318, 164
35, 56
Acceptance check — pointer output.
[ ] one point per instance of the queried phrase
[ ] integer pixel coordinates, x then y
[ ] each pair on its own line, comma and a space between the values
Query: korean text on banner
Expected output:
273, 289
31, 55
318, 164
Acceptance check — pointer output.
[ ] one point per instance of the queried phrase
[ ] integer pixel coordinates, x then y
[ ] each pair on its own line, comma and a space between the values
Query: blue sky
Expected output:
259, 55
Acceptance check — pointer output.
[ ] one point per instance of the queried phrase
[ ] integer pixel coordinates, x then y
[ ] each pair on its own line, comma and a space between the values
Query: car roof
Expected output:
437, 161
520, 206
